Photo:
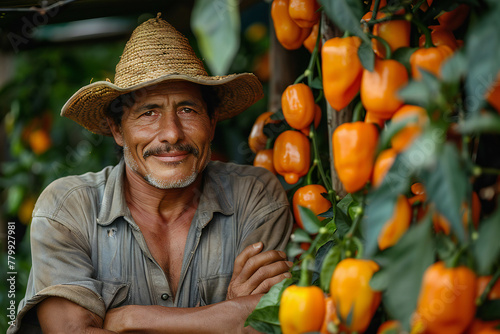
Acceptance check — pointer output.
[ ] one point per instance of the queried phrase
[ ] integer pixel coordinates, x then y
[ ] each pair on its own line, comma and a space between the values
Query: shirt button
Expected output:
164, 296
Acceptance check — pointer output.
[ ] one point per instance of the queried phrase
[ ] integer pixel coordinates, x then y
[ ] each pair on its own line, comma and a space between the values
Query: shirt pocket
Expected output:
114, 293
213, 289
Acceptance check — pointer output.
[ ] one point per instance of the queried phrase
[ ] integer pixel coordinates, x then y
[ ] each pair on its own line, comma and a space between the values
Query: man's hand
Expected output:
255, 272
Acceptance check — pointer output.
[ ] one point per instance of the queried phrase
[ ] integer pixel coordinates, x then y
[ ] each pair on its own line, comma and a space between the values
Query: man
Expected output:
166, 241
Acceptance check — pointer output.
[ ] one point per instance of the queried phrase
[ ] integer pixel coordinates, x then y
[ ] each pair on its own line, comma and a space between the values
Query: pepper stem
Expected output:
425, 31
356, 114
488, 288
305, 273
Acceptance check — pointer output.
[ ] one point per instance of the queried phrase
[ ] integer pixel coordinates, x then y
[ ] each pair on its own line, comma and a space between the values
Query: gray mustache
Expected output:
167, 148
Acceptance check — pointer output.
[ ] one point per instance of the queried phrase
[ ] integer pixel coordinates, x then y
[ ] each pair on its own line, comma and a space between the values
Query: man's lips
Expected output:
171, 156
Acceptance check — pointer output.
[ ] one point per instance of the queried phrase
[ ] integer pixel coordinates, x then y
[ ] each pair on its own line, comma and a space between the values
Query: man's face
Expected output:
166, 134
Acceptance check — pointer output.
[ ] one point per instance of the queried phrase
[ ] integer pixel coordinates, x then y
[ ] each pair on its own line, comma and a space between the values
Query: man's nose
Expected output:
170, 128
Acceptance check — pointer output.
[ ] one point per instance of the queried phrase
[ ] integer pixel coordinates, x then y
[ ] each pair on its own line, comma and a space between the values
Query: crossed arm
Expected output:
255, 272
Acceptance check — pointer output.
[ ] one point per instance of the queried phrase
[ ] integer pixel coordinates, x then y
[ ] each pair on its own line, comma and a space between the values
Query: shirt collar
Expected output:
214, 197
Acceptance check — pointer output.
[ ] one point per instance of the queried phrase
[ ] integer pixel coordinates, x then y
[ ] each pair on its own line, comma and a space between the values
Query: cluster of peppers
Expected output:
351, 303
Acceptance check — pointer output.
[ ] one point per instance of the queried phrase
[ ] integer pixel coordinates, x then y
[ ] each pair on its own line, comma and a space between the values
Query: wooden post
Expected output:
334, 118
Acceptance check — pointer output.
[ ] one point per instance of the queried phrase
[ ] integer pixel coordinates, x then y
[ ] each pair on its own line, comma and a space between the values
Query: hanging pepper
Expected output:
298, 106
351, 292
257, 139
372, 118
310, 197
442, 224
317, 120
396, 33
395, 227
342, 70
292, 155
429, 59
453, 19
390, 327
440, 36
493, 94
379, 88
264, 158
304, 12
446, 300
288, 33
354, 146
310, 42
405, 137
383, 163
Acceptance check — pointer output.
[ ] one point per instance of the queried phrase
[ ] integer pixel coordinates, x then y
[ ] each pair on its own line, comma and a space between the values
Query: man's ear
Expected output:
116, 131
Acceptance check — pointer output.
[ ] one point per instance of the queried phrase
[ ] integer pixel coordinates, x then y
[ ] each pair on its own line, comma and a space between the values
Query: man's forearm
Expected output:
225, 317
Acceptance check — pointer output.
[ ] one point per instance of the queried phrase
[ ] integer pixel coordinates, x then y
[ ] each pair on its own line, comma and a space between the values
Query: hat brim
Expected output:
236, 92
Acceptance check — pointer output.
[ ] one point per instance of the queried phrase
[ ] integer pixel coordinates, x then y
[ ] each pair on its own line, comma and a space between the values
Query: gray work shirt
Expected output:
87, 248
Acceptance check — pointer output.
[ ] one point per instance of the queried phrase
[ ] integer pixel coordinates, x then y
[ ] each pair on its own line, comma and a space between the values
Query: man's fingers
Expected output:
242, 258
266, 272
268, 283
258, 261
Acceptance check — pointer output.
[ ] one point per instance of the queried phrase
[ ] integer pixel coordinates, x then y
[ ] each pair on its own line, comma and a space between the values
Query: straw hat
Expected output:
156, 52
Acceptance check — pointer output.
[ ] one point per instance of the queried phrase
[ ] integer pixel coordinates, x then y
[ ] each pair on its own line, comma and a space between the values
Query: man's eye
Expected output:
149, 113
187, 110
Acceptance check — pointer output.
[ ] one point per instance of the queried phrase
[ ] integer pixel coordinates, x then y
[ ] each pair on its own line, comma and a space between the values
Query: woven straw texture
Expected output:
156, 52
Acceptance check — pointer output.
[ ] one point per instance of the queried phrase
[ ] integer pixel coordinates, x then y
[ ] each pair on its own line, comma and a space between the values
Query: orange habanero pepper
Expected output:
257, 139
354, 146
317, 120
395, 227
429, 59
440, 36
302, 309
405, 137
493, 94
453, 19
292, 155
396, 33
383, 163
342, 70
288, 33
310, 197
310, 42
446, 300
304, 12
264, 158
298, 106
351, 292
390, 326
379, 88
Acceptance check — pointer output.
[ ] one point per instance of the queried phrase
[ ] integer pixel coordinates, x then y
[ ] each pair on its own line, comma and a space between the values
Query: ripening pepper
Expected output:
383, 163
429, 59
304, 12
493, 94
302, 309
352, 294
482, 282
453, 19
310, 42
382, 4
317, 120
257, 139
390, 327
379, 89
310, 197
292, 155
264, 158
354, 146
440, 36
331, 318
395, 227
490, 330
342, 70
442, 224
446, 300
298, 106
372, 118
396, 33
288, 33
405, 137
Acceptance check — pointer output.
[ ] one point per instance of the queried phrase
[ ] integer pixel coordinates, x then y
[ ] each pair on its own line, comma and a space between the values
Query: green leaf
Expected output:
265, 317
299, 235
402, 269
293, 249
216, 25
482, 47
481, 123
14, 199
489, 310
316, 83
309, 219
367, 56
327, 214
455, 68
403, 55
346, 14
423, 92
344, 203
486, 247
343, 223
391, 130
446, 186
330, 261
